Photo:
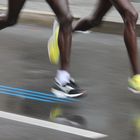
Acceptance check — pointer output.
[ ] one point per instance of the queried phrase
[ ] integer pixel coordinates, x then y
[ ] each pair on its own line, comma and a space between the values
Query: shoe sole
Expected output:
56, 60
53, 57
49, 42
61, 94
133, 90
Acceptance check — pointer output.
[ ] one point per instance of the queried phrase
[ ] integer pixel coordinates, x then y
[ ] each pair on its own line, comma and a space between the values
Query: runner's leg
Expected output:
14, 8
130, 16
95, 18
61, 9
64, 85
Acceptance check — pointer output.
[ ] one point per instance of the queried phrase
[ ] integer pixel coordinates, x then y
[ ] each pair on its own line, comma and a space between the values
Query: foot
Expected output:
53, 48
134, 84
70, 89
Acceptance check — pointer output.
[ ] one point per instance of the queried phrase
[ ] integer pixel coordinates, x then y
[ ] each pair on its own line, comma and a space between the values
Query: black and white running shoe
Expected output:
70, 89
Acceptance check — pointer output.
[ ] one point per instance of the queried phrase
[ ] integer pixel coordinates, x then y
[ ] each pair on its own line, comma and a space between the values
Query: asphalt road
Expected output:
99, 63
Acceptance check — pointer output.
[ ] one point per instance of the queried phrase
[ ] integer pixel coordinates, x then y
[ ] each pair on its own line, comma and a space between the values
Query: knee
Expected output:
131, 17
66, 20
135, 16
11, 22
95, 21
6, 22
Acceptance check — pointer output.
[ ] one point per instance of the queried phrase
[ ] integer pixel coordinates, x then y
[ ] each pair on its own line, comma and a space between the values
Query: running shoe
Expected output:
53, 48
134, 84
70, 89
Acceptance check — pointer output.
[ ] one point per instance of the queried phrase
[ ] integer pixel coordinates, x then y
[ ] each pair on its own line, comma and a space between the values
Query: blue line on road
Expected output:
27, 97
50, 94
40, 95
33, 95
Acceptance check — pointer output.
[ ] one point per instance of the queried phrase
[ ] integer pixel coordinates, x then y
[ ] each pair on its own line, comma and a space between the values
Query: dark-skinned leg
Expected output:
130, 16
64, 85
64, 17
95, 18
14, 8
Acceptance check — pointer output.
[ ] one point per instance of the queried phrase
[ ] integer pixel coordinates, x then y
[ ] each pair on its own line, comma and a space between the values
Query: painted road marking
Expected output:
48, 94
52, 125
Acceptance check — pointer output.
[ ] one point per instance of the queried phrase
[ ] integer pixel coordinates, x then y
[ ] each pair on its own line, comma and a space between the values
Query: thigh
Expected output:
123, 7
103, 6
14, 8
60, 8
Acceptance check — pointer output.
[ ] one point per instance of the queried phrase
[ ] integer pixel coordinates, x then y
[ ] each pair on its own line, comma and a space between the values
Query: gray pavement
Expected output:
99, 64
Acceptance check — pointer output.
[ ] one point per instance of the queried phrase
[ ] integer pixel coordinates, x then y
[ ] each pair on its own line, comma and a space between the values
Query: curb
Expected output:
43, 18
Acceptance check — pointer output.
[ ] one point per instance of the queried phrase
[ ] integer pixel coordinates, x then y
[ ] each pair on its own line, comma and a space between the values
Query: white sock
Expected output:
62, 77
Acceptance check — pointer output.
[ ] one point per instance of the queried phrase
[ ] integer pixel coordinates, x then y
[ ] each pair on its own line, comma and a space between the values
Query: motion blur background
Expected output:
99, 64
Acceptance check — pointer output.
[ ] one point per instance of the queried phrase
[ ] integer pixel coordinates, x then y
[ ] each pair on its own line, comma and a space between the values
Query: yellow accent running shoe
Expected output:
53, 48
134, 84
